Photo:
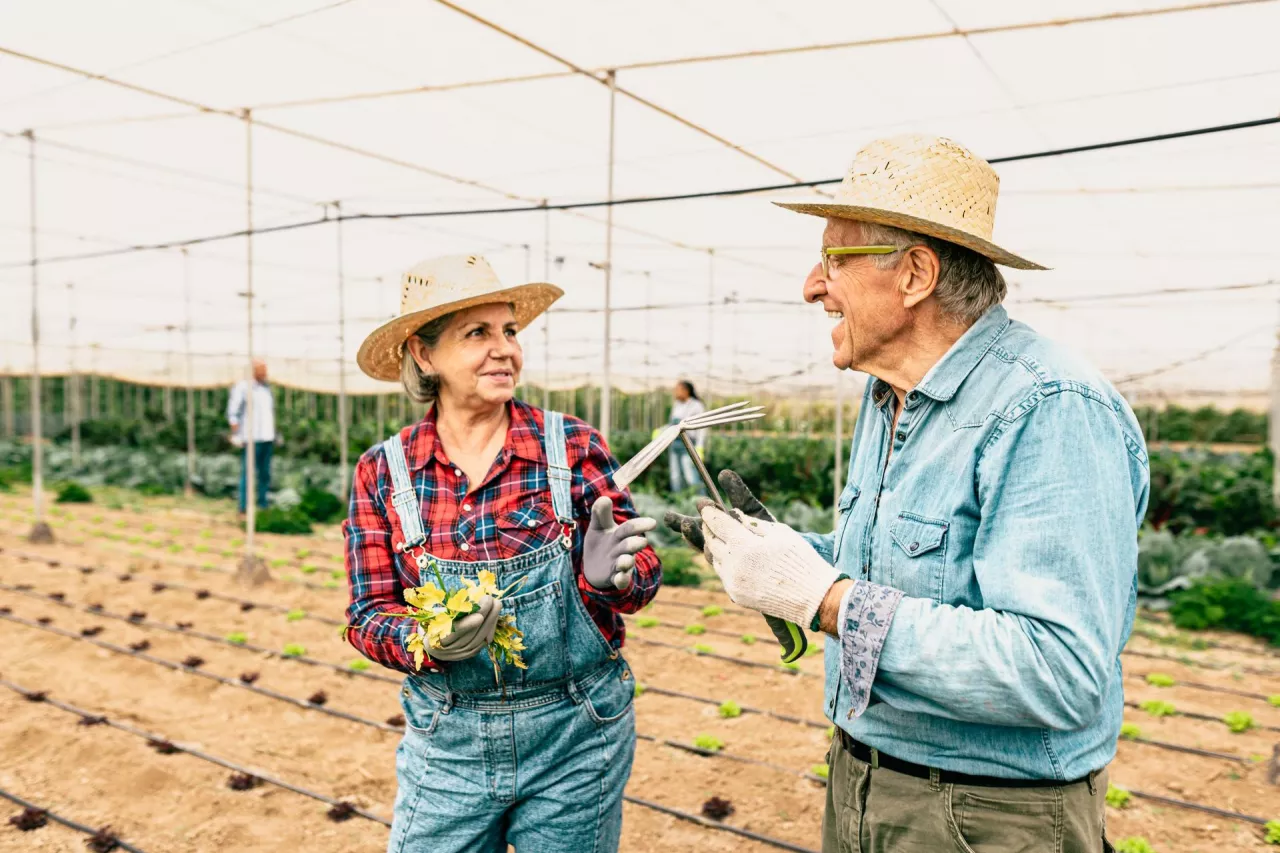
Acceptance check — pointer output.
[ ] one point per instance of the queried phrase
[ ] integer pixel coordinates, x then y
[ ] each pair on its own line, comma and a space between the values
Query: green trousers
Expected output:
875, 810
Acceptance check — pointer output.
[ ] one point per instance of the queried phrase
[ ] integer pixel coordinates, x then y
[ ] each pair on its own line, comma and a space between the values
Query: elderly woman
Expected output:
496, 755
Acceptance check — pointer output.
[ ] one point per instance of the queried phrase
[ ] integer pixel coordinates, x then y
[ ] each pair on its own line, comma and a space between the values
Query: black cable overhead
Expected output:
622, 202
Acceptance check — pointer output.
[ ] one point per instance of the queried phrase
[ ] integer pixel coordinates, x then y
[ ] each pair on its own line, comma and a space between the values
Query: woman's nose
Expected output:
815, 285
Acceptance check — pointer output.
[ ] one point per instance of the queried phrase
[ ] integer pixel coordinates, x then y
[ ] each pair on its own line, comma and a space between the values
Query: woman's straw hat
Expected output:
440, 286
926, 184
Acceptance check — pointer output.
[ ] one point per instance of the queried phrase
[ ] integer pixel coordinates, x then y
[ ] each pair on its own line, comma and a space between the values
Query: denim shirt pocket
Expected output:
919, 560
847, 499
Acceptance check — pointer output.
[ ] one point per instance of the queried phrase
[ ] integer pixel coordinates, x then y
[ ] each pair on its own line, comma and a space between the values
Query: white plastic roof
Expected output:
117, 167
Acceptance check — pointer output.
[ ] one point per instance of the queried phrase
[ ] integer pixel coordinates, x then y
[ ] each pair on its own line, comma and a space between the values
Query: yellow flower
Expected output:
424, 597
440, 626
414, 645
488, 582
460, 603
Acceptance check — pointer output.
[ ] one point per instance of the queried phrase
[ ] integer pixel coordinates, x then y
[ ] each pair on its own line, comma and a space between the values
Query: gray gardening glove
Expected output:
471, 633
740, 498
609, 549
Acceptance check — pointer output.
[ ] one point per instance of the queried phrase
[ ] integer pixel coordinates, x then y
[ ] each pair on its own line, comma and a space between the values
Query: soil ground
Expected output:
98, 775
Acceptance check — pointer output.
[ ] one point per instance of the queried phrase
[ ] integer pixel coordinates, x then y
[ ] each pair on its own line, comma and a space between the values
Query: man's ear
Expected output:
918, 275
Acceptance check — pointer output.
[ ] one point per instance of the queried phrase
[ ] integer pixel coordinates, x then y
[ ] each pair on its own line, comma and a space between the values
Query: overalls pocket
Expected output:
919, 559
608, 699
540, 616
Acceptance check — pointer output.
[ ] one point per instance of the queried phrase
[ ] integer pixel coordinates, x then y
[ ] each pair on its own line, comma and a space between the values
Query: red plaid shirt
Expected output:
509, 514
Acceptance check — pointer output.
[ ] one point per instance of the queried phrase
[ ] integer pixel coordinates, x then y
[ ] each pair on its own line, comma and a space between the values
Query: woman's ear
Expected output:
421, 355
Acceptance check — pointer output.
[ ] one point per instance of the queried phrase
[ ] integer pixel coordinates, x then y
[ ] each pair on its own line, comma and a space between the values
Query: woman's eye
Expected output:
475, 332
511, 333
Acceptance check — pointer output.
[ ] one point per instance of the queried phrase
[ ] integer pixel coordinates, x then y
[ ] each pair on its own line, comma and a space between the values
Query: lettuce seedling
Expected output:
729, 709
1238, 721
710, 743
1117, 798
1159, 708
1159, 679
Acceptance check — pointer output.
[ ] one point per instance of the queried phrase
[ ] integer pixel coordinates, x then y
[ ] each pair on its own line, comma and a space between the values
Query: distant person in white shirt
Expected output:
263, 431
687, 404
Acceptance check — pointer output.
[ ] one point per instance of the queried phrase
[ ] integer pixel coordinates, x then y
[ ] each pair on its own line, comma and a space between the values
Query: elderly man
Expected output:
980, 582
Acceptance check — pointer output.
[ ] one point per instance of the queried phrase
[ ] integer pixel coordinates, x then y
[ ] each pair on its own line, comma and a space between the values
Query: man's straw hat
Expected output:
926, 184
440, 286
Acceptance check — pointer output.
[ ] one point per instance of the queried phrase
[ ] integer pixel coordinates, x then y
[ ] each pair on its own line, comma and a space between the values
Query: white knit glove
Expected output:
766, 566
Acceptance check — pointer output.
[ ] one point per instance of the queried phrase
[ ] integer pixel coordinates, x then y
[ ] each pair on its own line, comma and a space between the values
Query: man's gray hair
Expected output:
423, 387
968, 283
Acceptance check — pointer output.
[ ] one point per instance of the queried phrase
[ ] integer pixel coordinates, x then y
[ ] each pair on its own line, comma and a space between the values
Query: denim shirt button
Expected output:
902, 436
913, 547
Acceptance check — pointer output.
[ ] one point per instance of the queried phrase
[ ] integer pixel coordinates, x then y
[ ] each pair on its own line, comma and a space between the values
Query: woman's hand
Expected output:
471, 633
609, 550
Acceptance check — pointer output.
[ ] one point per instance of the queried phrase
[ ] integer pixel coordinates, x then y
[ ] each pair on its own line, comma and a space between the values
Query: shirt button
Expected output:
913, 547
902, 436
466, 507
530, 523
457, 472
465, 547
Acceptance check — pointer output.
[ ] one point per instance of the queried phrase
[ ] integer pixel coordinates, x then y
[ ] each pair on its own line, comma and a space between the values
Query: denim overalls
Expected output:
542, 762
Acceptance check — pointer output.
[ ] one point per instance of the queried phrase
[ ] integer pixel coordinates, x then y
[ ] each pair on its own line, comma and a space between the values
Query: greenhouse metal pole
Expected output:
342, 360
546, 317
73, 379
189, 488
251, 568
606, 396
40, 531
6, 402
837, 485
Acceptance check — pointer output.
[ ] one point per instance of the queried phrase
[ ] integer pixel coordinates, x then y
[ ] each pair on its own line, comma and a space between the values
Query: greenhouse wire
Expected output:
272, 694
99, 719
542, 207
121, 844
727, 756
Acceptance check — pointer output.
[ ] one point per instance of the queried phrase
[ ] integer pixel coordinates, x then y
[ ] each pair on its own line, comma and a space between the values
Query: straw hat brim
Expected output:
882, 216
380, 354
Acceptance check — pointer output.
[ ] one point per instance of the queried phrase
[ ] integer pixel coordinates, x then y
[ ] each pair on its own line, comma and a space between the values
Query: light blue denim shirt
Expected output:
994, 559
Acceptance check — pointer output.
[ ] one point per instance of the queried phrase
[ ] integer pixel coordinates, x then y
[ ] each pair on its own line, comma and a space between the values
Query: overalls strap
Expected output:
558, 474
403, 496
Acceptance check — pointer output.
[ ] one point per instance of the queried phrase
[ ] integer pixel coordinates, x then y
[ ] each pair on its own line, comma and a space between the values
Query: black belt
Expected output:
864, 753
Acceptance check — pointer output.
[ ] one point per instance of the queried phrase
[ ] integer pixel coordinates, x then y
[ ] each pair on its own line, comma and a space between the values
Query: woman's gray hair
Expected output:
968, 283
423, 387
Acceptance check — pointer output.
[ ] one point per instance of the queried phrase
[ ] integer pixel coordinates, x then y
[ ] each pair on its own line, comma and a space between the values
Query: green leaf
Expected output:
1159, 679
729, 709
712, 610
647, 621
1130, 731
695, 629
1273, 832
295, 615
294, 650
703, 649
1274, 700
1134, 844
710, 743
748, 639
238, 637
1238, 721
822, 771
1159, 708
1117, 798
359, 665
639, 689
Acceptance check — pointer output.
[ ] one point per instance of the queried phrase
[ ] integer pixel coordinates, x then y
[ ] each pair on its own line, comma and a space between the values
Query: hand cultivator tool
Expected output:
788, 634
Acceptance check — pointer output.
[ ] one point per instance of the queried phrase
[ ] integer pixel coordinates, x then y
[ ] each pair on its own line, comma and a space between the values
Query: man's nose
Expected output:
815, 285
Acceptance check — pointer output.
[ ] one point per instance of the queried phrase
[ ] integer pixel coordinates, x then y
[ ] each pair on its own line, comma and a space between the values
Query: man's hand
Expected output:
609, 549
471, 633
740, 498
765, 565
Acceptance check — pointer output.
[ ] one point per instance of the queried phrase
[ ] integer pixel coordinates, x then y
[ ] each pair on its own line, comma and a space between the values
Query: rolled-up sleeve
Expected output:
594, 479
1055, 560
373, 585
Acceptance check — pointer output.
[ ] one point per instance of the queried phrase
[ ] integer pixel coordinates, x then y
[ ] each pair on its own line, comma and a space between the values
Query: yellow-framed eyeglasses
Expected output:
828, 251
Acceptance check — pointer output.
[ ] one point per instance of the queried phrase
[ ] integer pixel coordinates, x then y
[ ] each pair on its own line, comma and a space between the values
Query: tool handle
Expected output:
793, 640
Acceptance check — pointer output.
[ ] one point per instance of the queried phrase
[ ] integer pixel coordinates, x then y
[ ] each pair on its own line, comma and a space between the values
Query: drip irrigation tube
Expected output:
121, 844
1195, 685
784, 845
1205, 717
1190, 750
1199, 807
739, 661
746, 709
99, 719
1199, 664
232, 682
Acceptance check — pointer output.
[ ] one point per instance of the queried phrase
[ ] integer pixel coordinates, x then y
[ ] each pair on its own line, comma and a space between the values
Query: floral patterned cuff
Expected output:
866, 622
